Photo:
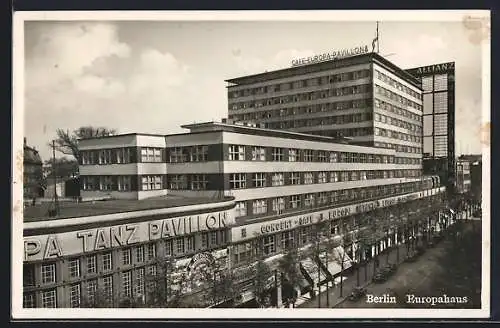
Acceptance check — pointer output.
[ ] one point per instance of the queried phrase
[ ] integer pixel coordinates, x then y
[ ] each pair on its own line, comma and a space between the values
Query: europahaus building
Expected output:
229, 190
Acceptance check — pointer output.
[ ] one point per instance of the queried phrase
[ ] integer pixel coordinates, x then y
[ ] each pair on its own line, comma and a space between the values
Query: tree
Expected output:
162, 291
98, 299
262, 273
63, 167
222, 289
67, 143
288, 266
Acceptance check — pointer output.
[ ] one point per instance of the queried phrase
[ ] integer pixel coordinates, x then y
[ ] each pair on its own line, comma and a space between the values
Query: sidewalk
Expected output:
305, 301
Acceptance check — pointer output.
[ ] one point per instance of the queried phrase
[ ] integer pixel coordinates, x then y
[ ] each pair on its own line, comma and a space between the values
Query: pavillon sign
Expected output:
330, 56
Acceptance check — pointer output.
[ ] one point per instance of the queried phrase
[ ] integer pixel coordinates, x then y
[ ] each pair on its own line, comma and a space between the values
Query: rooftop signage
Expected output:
330, 56
433, 69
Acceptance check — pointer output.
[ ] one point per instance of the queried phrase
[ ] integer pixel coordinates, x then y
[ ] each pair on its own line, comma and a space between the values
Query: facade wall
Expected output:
67, 262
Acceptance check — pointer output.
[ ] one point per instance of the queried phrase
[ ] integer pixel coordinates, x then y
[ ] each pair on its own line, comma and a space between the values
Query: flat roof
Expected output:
124, 135
245, 129
70, 209
324, 65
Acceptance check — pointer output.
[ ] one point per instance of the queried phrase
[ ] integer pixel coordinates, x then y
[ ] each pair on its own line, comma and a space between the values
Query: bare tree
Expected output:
262, 273
66, 142
162, 291
288, 266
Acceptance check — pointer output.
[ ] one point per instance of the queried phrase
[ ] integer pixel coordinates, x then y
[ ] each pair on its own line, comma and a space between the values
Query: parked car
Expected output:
357, 293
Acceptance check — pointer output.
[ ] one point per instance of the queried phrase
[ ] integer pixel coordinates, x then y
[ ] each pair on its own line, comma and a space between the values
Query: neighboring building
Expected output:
32, 173
365, 98
463, 177
438, 84
127, 166
101, 253
476, 179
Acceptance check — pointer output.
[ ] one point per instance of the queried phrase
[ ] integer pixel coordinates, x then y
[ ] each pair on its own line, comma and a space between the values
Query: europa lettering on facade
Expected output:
330, 56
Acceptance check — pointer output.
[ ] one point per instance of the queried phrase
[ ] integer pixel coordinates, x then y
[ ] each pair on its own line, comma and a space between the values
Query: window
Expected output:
293, 155
151, 182
333, 157
322, 157
89, 182
308, 178
139, 283
322, 198
322, 177
169, 248
237, 181
49, 299
278, 154
295, 201
177, 155
259, 206
75, 295
48, 273
139, 254
309, 200
88, 157
241, 209
269, 243
150, 251
199, 154
178, 182
127, 283
29, 300
305, 234
105, 156
107, 262
107, 285
278, 205
258, 154
308, 155
334, 176
236, 153
259, 180
124, 183
295, 178
105, 183
199, 182
440, 82
286, 239
278, 179
213, 238
123, 155
91, 290
190, 243
74, 268
28, 274
151, 155
126, 256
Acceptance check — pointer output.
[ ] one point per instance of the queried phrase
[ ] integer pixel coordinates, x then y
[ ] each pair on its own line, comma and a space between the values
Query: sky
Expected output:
153, 76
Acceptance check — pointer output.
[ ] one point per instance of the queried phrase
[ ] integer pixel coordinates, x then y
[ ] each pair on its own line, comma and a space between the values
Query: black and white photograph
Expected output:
271, 164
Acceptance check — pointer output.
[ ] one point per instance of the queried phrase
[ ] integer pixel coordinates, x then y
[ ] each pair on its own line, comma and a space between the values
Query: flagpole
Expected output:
378, 41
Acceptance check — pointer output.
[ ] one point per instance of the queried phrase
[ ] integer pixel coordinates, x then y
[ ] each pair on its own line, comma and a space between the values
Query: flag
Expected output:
374, 42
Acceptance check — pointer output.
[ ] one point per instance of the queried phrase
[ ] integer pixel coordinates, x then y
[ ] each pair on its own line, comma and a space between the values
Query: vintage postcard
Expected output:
195, 165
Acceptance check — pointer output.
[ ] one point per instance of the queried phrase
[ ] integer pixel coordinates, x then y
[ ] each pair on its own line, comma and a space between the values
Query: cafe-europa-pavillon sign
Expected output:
337, 54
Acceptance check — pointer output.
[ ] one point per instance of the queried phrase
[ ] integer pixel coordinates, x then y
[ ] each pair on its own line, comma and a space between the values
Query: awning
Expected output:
312, 271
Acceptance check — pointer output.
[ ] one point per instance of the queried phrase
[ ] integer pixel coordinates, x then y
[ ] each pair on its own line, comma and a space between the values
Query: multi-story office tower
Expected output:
366, 98
463, 176
32, 173
438, 84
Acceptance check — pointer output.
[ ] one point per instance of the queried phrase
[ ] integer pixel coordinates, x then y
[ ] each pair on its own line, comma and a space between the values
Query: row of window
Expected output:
278, 205
413, 128
396, 84
302, 110
437, 82
241, 181
397, 135
397, 98
121, 182
306, 96
120, 156
328, 120
399, 148
399, 111
305, 83
278, 154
